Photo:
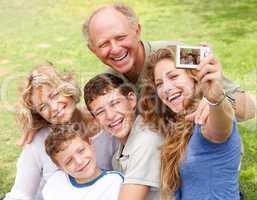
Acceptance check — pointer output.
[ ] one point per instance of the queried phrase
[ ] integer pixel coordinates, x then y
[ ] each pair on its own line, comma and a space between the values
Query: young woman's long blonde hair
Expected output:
176, 130
45, 74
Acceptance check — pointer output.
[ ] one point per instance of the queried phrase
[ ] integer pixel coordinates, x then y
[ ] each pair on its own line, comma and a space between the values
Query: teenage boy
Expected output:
113, 104
78, 177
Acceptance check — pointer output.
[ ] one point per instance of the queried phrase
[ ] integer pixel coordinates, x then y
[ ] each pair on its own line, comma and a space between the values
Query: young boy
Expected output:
79, 177
113, 104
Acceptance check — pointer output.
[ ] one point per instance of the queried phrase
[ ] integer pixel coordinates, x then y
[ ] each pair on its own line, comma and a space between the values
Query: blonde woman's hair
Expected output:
176, 130
44, 74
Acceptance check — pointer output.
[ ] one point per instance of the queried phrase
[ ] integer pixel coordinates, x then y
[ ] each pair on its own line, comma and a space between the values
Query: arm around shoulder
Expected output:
245, 106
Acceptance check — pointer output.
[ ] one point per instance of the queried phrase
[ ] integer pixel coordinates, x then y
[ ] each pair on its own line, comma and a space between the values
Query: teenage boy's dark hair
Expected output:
102, 84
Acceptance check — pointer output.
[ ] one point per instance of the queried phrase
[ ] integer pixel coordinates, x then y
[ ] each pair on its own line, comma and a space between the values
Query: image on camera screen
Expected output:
189, 56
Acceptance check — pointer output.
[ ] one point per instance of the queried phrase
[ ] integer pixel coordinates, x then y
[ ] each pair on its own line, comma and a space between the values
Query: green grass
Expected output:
32, 32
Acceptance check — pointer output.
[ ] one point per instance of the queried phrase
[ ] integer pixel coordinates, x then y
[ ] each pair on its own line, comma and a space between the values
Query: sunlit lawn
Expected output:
36, 31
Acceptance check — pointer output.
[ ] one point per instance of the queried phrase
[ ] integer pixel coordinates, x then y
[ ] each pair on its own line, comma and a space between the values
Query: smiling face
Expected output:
78, 160
174, 86
51, 105
114, 40
115, 113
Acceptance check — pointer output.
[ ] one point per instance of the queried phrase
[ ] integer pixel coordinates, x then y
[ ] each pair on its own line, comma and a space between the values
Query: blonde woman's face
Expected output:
51, 105
174, 86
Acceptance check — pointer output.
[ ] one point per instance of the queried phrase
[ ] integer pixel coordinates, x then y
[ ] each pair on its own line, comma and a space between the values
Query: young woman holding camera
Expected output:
197, 162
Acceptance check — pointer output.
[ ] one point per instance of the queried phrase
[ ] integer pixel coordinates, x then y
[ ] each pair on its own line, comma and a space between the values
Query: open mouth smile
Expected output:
59, 112
120, 58
84, 166
116, 123
174, 97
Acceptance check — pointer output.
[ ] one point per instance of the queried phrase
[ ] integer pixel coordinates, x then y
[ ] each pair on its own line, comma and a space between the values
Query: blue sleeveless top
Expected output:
210, 170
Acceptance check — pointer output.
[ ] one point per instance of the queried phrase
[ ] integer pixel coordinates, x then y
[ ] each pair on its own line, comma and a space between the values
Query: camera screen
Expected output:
189, 56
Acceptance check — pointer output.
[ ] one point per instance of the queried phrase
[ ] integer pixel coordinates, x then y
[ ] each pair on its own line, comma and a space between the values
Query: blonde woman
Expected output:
197, 162
50, 98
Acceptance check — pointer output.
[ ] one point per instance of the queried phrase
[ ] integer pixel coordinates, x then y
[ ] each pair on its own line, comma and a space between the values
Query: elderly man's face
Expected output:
114, 40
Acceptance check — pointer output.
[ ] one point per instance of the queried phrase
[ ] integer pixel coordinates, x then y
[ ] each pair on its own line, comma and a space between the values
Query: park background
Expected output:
36, 31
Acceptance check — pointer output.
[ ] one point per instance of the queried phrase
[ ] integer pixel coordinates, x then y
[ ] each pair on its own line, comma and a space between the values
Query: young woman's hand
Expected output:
209, 75
201, 114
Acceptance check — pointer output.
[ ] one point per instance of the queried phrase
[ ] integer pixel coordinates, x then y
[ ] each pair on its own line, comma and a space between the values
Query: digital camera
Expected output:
189, 57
